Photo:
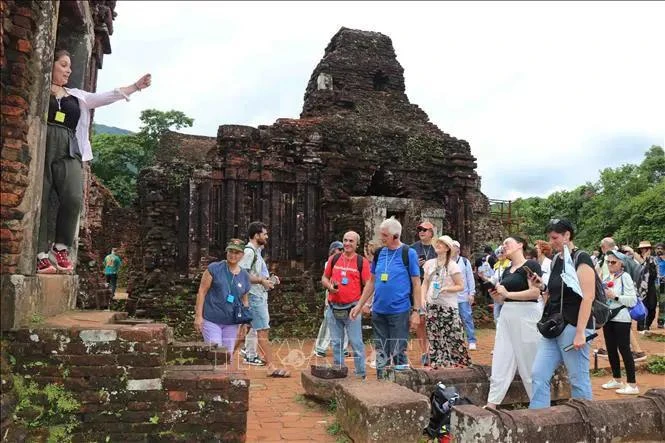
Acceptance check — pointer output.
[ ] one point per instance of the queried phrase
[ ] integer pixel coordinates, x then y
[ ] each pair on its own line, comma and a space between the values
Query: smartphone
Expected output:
422, 257
528, 271
589, 338
487, 285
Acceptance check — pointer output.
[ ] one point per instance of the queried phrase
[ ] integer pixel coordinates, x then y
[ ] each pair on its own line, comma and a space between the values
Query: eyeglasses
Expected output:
422, 229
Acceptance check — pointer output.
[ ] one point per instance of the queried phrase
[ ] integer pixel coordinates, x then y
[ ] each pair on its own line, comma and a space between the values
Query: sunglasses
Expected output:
612, 262
422, 229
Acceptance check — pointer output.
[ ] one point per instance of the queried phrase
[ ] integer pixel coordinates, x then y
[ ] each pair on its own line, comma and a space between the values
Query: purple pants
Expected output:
224, 335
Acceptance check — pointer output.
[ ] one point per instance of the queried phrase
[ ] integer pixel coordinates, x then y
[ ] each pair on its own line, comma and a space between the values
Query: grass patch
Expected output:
660, 338
656, 364
332, 406
601, 372
335, 430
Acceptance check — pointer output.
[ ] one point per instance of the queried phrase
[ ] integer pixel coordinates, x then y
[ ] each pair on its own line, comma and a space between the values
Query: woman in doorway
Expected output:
67, 147
223, 284
442, 281
517, 336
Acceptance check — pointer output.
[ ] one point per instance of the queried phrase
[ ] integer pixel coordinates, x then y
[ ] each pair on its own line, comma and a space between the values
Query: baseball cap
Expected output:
235, 244
335, 245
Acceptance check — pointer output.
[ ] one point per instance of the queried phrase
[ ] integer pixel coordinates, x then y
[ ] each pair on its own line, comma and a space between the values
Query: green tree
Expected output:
119, 158
627, 202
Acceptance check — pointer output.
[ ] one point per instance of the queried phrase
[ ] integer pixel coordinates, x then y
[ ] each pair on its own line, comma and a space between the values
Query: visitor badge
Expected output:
437, 285
230, 298
384, 277
59, 116
345, 280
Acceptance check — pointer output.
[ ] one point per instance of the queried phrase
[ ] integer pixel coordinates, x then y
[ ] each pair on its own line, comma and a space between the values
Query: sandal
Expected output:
279, 373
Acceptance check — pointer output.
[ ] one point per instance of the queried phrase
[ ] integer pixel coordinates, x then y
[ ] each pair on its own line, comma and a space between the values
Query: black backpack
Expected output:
442, 401
600, 309
359, 264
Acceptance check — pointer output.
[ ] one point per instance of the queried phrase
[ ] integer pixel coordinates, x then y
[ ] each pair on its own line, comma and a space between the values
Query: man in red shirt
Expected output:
344, 278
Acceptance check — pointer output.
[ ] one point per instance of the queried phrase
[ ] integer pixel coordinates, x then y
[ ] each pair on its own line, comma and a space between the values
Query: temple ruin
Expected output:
360, 152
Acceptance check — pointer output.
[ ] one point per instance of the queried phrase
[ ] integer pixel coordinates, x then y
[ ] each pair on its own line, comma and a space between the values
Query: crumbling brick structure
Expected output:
359, 152
30, 31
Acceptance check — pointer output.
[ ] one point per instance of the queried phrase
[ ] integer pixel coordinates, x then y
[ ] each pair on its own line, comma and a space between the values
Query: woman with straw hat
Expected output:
442, 281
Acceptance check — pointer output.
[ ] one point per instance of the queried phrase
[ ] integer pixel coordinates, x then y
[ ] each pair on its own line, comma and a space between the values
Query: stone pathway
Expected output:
279, 412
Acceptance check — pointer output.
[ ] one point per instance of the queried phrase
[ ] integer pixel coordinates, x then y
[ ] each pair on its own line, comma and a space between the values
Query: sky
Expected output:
547, 94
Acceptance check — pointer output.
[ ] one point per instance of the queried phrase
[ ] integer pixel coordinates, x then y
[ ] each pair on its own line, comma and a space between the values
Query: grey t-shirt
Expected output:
426, 250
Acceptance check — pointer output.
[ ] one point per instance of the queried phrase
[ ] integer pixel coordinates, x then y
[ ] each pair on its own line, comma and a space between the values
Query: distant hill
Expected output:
103, 129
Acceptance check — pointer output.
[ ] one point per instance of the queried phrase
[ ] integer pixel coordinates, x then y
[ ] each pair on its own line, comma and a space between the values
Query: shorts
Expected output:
260, 316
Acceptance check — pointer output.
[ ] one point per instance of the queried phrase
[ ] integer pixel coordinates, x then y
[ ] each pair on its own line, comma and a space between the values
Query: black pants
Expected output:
650, 302
617, 336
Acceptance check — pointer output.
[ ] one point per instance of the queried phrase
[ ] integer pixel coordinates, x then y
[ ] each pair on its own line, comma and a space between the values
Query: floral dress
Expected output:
443, 324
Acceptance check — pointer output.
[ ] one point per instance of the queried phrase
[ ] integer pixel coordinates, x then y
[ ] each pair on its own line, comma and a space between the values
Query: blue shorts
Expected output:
260, 316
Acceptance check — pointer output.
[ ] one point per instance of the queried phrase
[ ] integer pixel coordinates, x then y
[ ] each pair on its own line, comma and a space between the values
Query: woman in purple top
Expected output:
222, 286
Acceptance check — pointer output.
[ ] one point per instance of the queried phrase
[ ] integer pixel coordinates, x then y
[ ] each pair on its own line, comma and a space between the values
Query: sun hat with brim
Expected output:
236, 244
644, 244
456, 243
335, 245
446, 240
622, 257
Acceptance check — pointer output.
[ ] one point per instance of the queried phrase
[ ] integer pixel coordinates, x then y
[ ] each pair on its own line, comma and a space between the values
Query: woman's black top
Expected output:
518, 281
69, 106
571, 300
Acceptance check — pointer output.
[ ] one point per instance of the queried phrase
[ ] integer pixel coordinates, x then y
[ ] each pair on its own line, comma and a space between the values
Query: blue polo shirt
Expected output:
394, 295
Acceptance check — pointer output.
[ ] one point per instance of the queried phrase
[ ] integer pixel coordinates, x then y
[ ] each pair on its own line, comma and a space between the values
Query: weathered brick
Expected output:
11, 247
22, 21
9, 199
24, 46
87, 360
138, 360
144, 373
25, 12
178, 395
140, 406
6, 234
143, 333
180, 382
15, 178
96, 371
149, 384
13, 111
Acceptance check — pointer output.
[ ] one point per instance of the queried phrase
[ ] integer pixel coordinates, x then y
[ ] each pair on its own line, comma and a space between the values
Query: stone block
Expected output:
150, 384
370, 411
329, 372
320, 389
473, 382
628, 419
29, 298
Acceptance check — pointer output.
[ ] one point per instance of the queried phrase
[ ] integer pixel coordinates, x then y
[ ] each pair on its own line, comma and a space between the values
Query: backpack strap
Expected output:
333, 261
405, 256
359, 264
251, 267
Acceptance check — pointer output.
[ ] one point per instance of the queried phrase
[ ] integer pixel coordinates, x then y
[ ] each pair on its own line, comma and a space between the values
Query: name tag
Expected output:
230, 298
59, 116
384, 277
345, 281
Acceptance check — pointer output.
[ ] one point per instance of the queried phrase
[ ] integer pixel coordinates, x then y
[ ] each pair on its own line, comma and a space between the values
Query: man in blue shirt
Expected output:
465, 297
394, 285
111, 268
660, 263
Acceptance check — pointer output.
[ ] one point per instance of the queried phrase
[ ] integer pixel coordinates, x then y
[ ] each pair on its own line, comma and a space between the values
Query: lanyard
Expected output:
387, 263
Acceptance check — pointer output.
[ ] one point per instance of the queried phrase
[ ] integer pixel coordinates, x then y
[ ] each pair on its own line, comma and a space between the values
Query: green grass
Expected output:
656, 364
656, 337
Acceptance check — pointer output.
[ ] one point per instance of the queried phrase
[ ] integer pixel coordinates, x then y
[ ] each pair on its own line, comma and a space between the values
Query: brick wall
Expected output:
126, 391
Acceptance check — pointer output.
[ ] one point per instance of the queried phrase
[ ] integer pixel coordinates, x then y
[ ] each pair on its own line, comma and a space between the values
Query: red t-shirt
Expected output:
347, 267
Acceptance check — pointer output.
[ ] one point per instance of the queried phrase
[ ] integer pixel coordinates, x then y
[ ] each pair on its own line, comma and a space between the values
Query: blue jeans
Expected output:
466, 314
338, 328
391, 332
323, 339
549, 356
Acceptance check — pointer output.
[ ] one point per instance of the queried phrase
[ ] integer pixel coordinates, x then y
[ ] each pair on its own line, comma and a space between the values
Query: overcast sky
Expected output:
547, 94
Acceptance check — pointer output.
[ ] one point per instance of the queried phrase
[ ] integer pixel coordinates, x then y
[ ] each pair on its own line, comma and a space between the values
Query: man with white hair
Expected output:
465, 297
395, 283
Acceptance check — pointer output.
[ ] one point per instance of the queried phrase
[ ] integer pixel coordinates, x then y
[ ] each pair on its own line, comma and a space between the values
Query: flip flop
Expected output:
279, 373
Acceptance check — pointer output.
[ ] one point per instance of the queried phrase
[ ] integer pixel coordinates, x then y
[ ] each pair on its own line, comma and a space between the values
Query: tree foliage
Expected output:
627, 203
119, 158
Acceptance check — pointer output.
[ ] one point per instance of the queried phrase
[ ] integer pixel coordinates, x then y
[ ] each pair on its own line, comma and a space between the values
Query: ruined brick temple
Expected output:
359, 152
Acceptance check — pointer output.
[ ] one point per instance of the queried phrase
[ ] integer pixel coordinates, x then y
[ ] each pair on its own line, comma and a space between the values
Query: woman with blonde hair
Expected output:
442, 281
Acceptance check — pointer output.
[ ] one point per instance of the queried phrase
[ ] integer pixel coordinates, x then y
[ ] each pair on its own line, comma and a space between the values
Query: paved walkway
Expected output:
279, 412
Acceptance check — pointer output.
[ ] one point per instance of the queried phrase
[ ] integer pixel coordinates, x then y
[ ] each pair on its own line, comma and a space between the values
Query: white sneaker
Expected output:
372, 364
612, 384
628, 390
472, 346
